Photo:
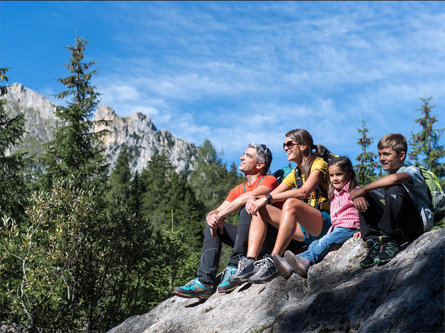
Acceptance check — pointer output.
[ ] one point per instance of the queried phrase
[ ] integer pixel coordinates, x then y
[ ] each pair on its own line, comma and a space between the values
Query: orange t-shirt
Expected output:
268, 180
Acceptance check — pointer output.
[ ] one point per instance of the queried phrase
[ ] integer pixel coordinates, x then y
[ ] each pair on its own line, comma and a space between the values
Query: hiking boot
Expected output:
374, 248
283, 267
194, 288
388, 251
226, 285
245, 270
266, 270
300, 265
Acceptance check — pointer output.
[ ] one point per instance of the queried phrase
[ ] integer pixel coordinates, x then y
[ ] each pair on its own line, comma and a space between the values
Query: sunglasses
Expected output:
289, 144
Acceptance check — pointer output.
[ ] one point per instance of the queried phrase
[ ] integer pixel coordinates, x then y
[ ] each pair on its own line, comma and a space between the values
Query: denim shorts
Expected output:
309, 238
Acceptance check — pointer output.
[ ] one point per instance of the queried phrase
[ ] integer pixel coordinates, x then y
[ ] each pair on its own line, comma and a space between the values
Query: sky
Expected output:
240, 72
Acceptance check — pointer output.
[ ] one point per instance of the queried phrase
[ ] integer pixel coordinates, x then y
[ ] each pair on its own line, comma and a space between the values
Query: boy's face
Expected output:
391, 160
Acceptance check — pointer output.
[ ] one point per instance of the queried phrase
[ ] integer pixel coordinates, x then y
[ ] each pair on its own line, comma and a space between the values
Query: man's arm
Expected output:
241, 201
385, 181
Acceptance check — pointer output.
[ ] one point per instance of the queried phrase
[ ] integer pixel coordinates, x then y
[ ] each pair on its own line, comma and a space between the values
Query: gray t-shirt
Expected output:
418, 192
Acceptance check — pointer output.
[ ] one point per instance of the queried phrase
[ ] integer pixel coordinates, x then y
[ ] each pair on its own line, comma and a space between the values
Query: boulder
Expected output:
405, 295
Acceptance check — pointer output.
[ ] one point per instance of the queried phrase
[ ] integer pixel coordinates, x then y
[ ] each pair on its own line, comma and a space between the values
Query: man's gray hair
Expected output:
263, 155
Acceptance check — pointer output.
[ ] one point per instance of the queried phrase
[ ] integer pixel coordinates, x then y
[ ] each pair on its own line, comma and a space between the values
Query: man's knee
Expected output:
244, 217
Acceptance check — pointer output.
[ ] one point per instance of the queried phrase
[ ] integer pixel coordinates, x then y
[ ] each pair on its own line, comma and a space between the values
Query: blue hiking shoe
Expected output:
194, 288
246, 269
226, 284
266, 270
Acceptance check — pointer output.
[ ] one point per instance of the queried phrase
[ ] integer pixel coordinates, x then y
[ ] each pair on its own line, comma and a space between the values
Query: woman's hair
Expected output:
345, 165
301, 136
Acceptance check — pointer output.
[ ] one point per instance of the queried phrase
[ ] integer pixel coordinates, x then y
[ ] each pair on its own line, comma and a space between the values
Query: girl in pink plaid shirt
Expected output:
344, 219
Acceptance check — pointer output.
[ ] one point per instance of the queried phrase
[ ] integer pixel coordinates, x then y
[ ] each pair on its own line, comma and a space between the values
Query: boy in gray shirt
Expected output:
395, 208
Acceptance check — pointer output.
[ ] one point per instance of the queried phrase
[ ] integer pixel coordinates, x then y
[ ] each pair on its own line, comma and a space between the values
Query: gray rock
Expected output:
405, 295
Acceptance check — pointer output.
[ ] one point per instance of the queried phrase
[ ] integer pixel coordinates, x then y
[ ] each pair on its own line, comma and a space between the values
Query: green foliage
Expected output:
425, 147
76, 149
210, 180
13, 193
176, 263
366, 169
166, 196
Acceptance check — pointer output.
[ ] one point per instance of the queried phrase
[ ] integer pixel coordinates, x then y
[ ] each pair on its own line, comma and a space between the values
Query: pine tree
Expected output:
365, 170
426, 142
13, 193
76, 149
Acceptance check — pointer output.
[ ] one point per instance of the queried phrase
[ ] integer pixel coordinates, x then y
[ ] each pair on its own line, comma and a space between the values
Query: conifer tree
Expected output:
14, 190
366, 168
425, 146
76, 149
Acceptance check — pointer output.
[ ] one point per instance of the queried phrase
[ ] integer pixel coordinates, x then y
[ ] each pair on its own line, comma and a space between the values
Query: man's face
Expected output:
391, 160
248, 161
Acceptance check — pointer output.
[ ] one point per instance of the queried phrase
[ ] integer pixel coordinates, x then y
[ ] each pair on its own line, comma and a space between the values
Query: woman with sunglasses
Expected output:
304, 215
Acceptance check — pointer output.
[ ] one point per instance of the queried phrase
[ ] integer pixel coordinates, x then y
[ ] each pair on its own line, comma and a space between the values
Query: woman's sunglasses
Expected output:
289, 144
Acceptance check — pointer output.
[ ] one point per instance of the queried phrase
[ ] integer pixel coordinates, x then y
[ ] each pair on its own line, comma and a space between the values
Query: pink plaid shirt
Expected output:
343, 212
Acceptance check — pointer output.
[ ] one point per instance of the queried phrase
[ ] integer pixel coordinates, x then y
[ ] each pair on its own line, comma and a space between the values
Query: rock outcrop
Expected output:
136, 131
405, 295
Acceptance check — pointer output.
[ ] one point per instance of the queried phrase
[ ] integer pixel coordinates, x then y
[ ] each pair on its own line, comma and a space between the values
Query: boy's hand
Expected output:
355, 193
361, 204
358, 234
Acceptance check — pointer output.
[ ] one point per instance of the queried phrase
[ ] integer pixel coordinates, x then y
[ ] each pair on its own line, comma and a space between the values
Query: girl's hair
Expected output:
301, 136
345, 165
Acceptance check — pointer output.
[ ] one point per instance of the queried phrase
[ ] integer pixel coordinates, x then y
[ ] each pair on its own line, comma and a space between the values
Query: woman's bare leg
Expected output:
296, 210
258, 228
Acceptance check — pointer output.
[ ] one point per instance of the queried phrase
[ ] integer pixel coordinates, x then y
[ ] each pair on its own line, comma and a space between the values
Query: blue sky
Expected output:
236, 72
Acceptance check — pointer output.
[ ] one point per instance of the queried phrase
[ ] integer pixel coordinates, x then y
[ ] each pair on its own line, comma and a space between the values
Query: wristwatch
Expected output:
269, 198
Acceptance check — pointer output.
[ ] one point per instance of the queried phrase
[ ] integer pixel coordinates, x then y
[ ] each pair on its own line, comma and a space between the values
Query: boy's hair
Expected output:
345, 165
396, 142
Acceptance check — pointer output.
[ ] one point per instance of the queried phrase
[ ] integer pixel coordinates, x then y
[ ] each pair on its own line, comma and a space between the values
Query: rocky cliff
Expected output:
137, 131
405, 295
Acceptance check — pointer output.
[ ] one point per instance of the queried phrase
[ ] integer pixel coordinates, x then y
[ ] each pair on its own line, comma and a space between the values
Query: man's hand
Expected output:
253, 206
212, 219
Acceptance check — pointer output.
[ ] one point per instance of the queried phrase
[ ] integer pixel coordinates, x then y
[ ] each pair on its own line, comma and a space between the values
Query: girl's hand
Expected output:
361, 204
357, 235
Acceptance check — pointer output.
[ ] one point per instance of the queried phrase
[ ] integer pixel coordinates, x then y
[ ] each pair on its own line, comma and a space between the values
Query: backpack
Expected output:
434, 190
280, 174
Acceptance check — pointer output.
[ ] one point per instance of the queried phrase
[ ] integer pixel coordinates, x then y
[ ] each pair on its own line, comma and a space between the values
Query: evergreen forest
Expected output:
84, 247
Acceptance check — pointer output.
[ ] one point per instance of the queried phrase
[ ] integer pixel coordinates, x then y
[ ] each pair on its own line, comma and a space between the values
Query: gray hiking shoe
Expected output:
266, 270
283, 267
300, 265
245, 270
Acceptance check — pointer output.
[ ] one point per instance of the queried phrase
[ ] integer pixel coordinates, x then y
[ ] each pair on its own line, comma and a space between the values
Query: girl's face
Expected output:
337, 177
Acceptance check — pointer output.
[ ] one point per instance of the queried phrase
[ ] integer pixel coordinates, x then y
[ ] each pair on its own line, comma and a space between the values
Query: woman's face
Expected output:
293, 150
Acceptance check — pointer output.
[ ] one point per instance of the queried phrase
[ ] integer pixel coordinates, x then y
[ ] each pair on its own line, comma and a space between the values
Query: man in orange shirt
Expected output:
255, 163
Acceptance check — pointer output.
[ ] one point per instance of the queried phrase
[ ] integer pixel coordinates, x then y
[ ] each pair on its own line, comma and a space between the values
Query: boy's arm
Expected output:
393, 179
